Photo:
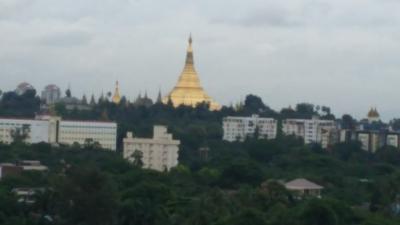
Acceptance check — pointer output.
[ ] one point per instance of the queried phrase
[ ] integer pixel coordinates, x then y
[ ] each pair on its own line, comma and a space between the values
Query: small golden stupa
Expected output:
373, 115
116, 97
188, 90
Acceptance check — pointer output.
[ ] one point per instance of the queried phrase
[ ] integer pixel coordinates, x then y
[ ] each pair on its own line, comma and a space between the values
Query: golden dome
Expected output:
188, 90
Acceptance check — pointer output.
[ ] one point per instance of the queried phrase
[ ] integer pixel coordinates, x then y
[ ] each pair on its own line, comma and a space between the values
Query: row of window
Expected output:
98, 132
87, 127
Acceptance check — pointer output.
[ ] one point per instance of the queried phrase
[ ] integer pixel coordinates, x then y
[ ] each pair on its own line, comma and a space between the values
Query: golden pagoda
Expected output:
116, 97
188, 90
373, 115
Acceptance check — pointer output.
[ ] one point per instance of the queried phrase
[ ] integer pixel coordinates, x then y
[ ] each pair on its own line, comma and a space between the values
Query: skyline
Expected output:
278, 51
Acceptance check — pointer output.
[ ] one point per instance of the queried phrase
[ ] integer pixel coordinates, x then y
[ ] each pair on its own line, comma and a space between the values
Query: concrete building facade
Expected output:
158, 153
239, 128
54, 130
311, 130
36, 130
104, 133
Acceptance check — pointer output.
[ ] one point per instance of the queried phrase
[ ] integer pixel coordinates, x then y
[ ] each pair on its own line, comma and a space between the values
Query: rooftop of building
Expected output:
44, 118
302, 184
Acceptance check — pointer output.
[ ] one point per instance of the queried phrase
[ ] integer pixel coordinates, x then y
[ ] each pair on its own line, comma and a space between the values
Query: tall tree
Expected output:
137, 158
254, 104
348, 122
85, 196
305, 110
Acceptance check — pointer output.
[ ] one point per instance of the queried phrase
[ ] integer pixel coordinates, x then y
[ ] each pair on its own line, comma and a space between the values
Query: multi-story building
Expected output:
372, 133
104, 133
239, 128
370, 141
55, 130
329, 137
35, 130
158, 153
393, 139
311, 130
346, 135
51, 94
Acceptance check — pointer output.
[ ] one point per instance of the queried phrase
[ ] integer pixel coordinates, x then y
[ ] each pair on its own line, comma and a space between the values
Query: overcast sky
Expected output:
341, 53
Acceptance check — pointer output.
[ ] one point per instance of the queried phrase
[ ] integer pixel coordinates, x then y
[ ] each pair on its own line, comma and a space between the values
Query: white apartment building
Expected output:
311, 130
36, 130
55, 130
159, 153
392, 139
105, 133
238, 128
370, 141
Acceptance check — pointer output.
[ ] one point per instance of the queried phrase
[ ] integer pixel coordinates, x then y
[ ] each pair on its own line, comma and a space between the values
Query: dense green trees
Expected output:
236, 185
25, 105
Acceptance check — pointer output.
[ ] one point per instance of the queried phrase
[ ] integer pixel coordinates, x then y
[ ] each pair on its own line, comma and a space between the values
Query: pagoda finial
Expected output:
189, 52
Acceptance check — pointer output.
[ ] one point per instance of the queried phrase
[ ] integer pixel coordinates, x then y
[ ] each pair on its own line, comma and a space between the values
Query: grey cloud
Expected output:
276, 17
285, 51
11, 7
66, 39
271, 17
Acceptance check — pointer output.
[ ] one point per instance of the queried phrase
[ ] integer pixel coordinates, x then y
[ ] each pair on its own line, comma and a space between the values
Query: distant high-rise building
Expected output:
51, 94
23, 87
188, 90
158, 153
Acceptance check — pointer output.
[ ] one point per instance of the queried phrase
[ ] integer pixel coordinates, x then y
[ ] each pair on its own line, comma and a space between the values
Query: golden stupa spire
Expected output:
188, 90
116, 97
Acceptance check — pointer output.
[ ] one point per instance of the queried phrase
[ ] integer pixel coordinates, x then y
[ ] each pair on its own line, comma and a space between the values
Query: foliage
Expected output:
239, 183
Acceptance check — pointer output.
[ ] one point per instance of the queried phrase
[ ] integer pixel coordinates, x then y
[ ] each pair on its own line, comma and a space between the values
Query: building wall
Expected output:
54, 130
104, 133
329, 138
393, 140
159, 153
238, 128
371, 140
376, 141
311, 130
37, 130
364, 139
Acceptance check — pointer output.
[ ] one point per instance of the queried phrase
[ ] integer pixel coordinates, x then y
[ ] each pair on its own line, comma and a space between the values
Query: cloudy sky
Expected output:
342, 53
